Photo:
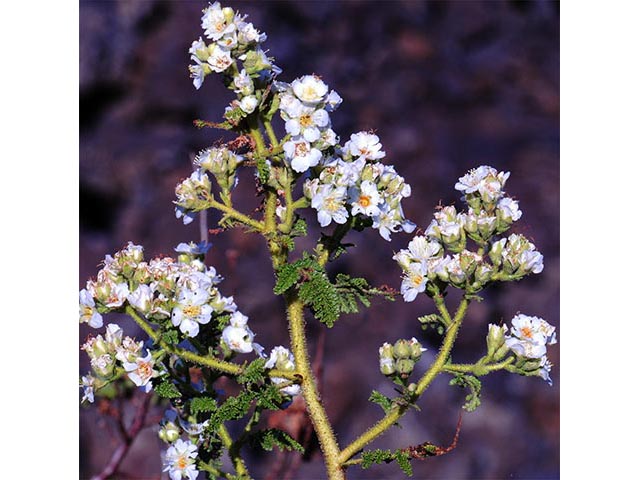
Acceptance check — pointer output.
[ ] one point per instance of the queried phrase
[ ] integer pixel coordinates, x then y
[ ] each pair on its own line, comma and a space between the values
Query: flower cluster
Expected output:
180, 460
401, 357
355, 183
114, 351
304, 106
528, 340
232, 39
490, 213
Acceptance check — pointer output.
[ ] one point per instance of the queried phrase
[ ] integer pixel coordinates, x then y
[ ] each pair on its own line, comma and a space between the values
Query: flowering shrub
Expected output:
198, 338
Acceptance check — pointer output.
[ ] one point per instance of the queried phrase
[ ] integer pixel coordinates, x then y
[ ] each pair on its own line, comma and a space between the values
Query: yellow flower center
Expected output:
191, 310
144, 370
526, 332
364, 201
181, 463
301, 150
306, 121
416, 279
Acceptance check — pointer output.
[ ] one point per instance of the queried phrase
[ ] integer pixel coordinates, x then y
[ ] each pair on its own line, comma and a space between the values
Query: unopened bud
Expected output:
169, 432
402, 349
404, 366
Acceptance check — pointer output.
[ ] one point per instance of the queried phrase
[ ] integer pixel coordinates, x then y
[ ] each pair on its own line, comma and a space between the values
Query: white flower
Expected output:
422, 249
301, 155
141, 298
113, 336
470, 182
310, 89
87, 384
103, 365
249, 103
290, 105
545, 370
199, 51
247, 33
243, 83
192, 309
214, 22
413, 282
197, 73
365, 145
88, 312
129, 350
365, 200
532, 260
238, 339
329, 202
180, 460
308, 123
530, 336
193, 248
282, 359
220, 59
333, 101
141, 371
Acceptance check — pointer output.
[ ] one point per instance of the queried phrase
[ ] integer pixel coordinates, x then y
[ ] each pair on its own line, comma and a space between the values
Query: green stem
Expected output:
317, 413
234, 452
394, 414
438, 299
271, 134
211, 362
205, 467
233, 213
475, 368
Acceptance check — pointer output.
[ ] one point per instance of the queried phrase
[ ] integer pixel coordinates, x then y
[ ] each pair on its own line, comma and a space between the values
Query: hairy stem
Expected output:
394, 414
317, 413
234, 452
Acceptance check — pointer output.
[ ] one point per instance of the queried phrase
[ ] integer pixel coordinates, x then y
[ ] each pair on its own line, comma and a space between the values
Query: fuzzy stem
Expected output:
233, 213
474, 368
393, 415
234, 452
321, 424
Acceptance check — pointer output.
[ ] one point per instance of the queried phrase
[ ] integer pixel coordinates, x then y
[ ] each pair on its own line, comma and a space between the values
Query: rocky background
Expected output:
447, 86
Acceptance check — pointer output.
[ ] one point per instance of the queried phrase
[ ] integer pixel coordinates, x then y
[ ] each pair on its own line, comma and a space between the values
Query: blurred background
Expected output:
447, 86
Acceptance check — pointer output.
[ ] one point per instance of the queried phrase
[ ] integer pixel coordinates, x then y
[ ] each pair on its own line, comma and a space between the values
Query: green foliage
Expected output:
369, 457
170, 337
322, 296
434, 321
263, 169
253, 373
206, 124
404, 463
234, 116
269, 397
272, 437
474, 385
385, 402
203, 404
233, 408
299, 228
378, 456
167, 389
289, 274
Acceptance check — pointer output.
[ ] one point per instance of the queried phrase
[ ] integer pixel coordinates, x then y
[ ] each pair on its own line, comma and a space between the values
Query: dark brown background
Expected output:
447, 86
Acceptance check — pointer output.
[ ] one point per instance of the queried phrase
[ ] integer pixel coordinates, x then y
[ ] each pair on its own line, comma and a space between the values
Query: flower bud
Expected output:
495, 254
404, 366
496, 340
169, 432
483, 273
386, 366
402, 349
487, 226
416, 349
